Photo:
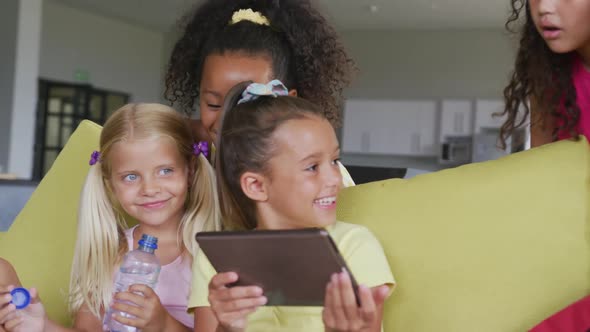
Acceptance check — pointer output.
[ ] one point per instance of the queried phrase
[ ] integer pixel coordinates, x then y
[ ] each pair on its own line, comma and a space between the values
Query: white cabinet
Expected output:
390, 127
454, 130
456, 118
485, 118
487, 131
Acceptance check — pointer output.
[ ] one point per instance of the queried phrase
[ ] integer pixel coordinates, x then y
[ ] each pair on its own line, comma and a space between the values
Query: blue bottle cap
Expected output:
148, 241
20, 298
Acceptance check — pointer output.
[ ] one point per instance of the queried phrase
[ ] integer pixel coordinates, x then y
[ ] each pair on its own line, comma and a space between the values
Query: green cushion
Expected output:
40, 242
494, 246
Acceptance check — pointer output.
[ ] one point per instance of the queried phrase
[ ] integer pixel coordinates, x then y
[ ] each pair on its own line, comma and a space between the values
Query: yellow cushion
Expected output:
495, 246
40, 242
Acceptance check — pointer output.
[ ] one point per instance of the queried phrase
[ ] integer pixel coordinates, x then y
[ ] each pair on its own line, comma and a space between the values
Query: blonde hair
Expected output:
101, 241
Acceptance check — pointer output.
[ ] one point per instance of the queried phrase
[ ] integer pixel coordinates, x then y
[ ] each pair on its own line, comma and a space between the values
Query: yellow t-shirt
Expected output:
364, 257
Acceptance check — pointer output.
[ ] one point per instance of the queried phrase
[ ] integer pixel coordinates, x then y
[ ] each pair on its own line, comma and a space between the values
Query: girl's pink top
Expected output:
581, 79
173, 287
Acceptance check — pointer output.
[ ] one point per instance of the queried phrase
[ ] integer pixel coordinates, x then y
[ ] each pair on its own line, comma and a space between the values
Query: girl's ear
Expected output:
254, 186
293, 93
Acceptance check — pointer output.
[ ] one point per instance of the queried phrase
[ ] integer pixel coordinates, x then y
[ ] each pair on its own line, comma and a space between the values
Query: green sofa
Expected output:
494, 246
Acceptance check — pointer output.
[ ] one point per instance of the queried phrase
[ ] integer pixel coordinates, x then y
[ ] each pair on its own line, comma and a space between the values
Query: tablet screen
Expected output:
293, 267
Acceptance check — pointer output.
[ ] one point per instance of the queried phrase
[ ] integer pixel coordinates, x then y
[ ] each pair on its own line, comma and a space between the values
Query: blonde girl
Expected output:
148, 168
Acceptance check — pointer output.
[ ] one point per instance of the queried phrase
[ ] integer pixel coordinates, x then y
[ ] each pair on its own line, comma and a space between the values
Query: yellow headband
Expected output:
249, 15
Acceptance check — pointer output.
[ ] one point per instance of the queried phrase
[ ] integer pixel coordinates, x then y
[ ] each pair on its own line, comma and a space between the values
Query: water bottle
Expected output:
139, 266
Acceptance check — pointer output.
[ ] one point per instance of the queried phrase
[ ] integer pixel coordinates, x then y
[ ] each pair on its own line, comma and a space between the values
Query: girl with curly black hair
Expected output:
226, 42
552, 70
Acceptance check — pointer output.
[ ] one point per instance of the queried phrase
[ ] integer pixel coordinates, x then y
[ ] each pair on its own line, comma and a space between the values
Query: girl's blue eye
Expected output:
130, 177
165, 171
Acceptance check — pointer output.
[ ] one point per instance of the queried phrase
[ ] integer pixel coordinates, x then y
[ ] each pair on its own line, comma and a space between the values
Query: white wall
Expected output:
430, 64
118, 56
8, 30
24, 100
170, 39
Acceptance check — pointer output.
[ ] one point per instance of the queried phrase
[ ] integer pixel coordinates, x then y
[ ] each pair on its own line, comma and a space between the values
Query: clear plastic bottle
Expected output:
139, 266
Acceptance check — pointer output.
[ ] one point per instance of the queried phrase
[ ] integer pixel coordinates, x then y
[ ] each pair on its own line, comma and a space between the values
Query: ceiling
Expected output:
162, 15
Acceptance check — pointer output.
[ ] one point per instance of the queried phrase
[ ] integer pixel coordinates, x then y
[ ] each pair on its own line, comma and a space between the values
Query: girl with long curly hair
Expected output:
552, 70
226, 42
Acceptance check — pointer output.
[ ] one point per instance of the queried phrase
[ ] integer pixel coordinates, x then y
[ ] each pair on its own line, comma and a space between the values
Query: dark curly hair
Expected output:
305, 51
541, 75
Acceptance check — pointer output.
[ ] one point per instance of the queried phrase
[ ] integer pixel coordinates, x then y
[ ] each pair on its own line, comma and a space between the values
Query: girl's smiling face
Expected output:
149, 179
304, 177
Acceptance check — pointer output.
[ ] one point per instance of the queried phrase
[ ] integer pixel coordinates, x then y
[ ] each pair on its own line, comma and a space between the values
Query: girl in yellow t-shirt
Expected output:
277, 167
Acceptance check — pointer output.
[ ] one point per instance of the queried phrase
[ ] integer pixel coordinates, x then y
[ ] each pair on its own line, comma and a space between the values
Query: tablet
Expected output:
293, 267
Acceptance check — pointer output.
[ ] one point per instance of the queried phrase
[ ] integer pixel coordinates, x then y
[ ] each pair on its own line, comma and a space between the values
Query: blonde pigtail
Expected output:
202, 213
98, 246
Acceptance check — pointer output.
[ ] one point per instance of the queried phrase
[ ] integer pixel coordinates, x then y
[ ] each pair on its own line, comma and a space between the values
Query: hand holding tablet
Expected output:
292, 267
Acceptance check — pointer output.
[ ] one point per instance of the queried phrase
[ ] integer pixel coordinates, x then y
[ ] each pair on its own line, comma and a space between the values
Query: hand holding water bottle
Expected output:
148, 312
135, 304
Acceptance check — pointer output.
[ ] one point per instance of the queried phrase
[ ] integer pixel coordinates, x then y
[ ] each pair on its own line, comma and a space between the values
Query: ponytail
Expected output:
237, 210
246, 144
99, 246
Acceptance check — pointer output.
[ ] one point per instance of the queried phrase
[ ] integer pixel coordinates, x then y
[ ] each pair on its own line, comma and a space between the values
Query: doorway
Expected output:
61, 107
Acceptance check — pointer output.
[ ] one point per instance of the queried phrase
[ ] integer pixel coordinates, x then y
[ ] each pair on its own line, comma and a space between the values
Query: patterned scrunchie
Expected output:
273, 88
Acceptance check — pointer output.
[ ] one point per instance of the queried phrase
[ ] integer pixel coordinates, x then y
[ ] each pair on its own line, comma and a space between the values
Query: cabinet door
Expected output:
375, 127
427, 123
362, 129
485, 118
456, 118
390, 127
